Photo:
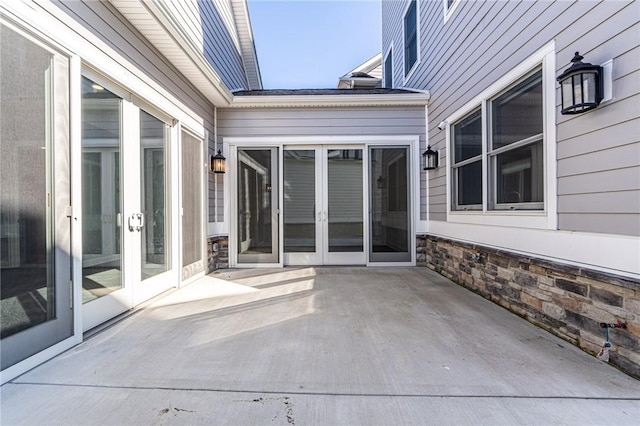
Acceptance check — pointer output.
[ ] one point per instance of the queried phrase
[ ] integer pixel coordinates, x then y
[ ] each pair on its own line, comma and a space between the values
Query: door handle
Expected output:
136, 222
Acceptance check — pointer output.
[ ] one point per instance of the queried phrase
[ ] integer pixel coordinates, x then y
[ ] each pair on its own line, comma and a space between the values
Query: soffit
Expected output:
157, 26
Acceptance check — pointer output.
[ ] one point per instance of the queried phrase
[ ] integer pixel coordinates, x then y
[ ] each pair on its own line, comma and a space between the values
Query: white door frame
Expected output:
232, 143
134, 290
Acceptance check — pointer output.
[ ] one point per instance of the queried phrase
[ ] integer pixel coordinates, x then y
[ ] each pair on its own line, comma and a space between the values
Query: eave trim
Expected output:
292, 101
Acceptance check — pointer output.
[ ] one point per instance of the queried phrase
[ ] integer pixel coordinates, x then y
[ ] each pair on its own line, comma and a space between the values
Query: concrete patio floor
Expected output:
306, 346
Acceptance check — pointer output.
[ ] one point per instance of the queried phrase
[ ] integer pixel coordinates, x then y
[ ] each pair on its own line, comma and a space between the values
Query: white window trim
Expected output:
448, 11
384, 68
544, 219
407, 75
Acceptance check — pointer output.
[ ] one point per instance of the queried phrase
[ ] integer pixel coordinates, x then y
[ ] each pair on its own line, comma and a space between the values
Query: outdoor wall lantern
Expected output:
581, 86
429, 159
217, 163
380, 182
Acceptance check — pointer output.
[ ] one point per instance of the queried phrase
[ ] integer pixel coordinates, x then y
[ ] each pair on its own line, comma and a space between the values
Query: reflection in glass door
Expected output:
125, 228
35, 244
154, 182
344, 201
257, 205
323, 206
101, 192
302, 206
389, 205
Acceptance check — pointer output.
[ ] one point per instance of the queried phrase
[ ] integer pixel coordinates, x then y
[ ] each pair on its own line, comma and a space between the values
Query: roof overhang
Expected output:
329, 100
154, 21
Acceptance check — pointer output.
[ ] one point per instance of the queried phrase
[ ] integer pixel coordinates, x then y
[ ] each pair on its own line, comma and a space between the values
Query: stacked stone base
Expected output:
570, 302
217, 253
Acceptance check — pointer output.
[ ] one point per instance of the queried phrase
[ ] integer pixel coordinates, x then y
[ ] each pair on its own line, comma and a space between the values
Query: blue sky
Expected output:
308, 44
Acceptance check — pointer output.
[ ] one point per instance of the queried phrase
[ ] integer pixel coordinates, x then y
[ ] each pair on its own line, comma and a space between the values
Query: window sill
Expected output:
510, 218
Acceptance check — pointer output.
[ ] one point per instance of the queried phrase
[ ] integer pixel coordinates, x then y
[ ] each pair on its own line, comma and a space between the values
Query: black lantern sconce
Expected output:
581, 86
217, 163
429, 159
380, 182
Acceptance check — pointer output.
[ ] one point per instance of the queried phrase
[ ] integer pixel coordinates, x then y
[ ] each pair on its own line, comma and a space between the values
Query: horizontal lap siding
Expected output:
321, 122
210, 26
380, 121
482, 41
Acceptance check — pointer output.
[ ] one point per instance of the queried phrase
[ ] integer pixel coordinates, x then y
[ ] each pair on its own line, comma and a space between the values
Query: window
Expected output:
388, 70
515, 149
410, 37
513, 158
467, 162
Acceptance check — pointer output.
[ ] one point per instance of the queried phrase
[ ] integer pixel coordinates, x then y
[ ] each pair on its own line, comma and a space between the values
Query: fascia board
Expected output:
367, 66
404, 99
222, 96
245, 16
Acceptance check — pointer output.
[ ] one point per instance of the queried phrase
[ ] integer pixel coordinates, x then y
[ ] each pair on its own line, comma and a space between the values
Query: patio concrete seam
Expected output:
337, 394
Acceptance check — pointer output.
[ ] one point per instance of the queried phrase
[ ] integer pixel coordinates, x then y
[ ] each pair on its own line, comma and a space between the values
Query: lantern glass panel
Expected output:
589, 87
567, 92
577, 89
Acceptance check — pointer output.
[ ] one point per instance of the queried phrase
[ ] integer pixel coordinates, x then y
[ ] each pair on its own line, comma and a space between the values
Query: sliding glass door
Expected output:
36, 310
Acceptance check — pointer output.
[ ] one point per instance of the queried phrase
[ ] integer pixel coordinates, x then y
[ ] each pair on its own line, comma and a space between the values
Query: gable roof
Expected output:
367, 74
167, 33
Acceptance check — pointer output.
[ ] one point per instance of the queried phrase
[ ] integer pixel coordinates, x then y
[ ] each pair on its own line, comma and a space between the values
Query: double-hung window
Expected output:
410, 37
515, 147
512, 163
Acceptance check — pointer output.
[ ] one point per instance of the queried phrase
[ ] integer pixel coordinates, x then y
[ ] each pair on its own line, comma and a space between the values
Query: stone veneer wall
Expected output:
568, 301
217, 259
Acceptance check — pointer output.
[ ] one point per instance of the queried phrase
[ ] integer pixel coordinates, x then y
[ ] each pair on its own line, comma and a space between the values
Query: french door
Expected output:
324, 205
126, 191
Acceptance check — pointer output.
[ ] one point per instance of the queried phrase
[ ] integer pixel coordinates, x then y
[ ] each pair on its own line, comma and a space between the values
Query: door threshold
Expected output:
118, 318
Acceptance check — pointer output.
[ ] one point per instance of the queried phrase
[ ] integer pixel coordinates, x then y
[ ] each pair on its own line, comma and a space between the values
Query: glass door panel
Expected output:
154, 182
302, 217
101, 192
344, 201
257, 206
125, 228
389, 205
35, 246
